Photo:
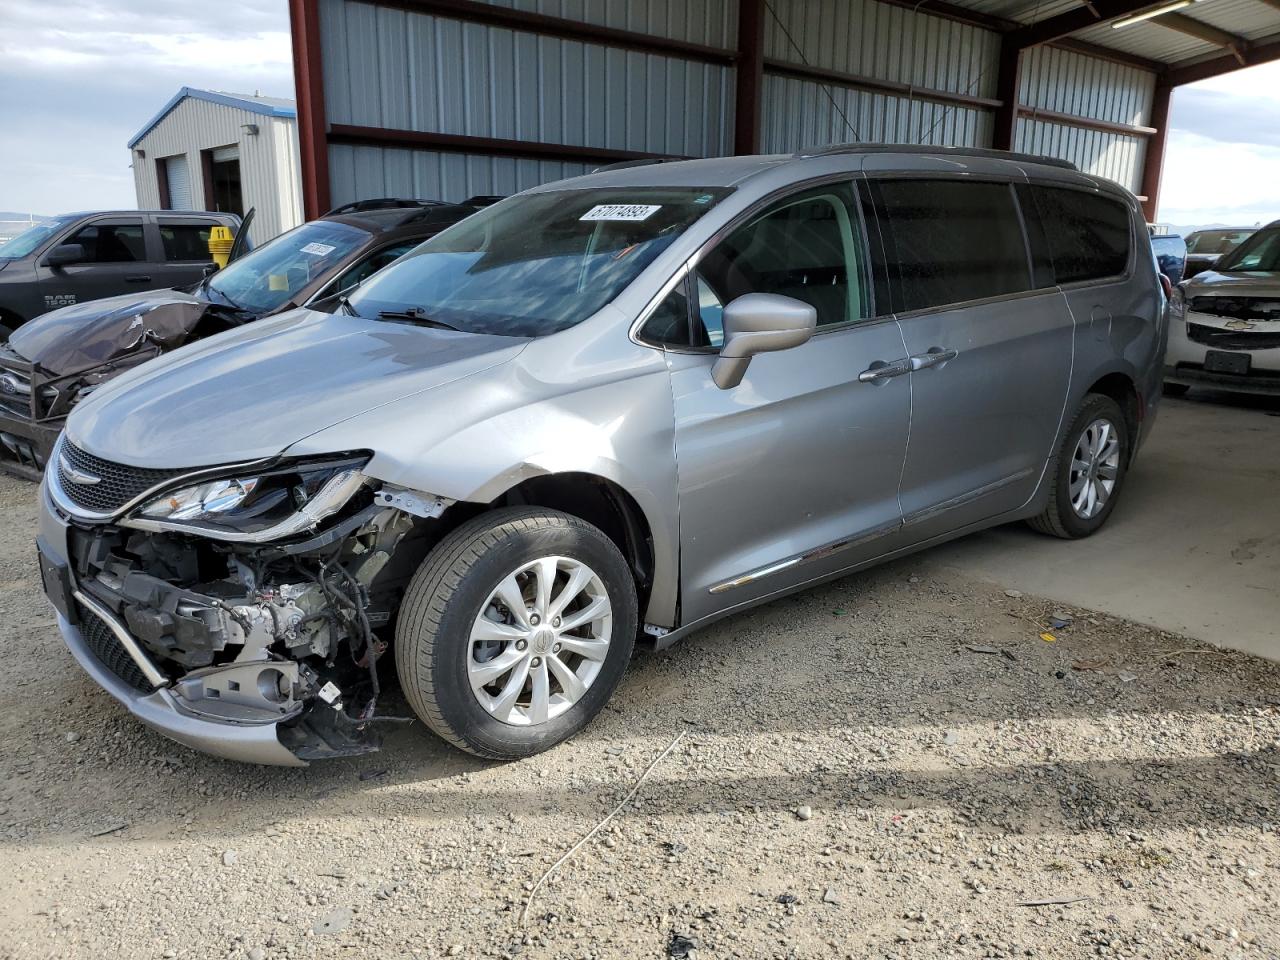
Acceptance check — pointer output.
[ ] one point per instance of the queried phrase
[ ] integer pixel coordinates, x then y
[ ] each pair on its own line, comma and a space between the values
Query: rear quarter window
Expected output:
1088, 234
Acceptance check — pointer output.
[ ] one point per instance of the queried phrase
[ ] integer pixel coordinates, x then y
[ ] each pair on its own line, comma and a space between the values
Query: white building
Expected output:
208, 150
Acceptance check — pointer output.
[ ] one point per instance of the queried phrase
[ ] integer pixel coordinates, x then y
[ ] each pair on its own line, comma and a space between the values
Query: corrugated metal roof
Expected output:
254, 103
1251, 19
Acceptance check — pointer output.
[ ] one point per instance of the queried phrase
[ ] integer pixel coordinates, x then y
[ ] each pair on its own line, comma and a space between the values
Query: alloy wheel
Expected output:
539, 641
1095, 467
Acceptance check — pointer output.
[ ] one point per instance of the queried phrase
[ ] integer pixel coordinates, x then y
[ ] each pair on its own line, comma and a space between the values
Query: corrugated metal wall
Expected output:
1067, 82
410, 71
710, 22
387, 67
366, 171
880, 42
269, 182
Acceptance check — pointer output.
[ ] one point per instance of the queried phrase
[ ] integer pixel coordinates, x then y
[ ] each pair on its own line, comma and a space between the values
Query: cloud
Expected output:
82, 76
1207, 180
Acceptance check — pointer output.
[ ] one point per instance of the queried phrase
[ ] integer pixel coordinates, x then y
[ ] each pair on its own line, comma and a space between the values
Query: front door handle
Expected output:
935, 357
137, 278
880, 371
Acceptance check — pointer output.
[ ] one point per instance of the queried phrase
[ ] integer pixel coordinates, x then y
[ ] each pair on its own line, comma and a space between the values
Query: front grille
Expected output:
99, 638
117, 484
1233, 339
1238, 308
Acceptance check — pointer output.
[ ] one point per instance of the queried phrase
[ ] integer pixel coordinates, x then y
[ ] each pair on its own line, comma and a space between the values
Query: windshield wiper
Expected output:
414, 315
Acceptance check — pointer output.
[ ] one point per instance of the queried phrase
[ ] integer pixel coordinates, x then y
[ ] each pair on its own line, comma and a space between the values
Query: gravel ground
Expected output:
853, 780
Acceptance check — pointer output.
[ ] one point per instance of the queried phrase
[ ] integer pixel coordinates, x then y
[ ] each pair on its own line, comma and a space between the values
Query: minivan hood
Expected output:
84, 335
1252, 283
251, 392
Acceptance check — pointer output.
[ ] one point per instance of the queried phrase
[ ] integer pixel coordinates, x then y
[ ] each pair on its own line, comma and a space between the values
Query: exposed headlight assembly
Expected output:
270, 505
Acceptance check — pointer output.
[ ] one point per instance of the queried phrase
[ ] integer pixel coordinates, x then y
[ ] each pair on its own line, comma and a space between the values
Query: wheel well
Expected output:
601, 503
1121, 389
10, 320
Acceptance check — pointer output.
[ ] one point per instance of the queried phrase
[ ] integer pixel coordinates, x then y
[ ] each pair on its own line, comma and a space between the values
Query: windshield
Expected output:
1216, 241
1260, 252
29, 239
262, 281
536, 263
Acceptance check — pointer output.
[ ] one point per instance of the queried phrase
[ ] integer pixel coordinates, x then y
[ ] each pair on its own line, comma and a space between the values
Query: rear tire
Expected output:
493, 653
1094, 453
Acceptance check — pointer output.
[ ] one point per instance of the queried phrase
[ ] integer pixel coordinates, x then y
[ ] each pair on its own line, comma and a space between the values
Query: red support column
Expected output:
749, 89
1153, 162
1004, 134
308, 79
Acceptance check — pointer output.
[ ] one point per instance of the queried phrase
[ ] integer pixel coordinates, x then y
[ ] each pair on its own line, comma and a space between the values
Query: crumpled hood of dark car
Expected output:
251, 392
1246, 283
85, 335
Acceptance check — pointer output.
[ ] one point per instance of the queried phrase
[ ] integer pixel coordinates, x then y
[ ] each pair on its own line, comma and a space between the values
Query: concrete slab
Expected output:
1193, 546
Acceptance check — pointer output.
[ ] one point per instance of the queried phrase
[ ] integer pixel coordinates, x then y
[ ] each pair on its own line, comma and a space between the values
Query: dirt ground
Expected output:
854, 780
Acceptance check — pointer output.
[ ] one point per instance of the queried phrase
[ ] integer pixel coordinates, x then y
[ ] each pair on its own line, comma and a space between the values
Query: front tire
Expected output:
1176, 389
1087, 470
515, 631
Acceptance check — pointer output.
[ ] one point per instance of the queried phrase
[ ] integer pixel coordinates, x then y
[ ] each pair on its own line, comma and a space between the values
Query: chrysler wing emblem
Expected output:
75, 476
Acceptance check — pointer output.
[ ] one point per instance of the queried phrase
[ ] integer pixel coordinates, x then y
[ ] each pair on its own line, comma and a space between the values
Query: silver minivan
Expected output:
605, 411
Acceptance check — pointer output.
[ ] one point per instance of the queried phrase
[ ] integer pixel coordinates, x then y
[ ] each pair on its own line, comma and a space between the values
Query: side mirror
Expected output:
63, 254
209, 269
760, 323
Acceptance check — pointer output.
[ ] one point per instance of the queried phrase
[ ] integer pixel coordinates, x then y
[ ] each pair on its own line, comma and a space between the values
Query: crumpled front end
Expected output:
265, 652
55, 361
1226, 336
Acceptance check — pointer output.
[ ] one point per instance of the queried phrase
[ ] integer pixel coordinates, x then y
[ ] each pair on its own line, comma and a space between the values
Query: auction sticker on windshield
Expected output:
319, 249
621, 211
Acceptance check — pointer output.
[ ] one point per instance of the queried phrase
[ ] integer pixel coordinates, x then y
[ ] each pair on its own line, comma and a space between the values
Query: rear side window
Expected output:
1087, 234
951, 241
185, 242
111, 243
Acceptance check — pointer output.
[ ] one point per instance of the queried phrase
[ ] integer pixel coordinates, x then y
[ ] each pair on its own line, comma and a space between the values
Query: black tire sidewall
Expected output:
1095, 407
454, 697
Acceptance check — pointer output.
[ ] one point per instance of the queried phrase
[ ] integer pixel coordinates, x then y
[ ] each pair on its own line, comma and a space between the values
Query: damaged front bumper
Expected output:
238, 668
167, 712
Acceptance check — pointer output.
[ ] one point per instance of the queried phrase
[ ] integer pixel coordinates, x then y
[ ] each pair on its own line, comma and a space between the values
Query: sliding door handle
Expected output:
936, 357
880, 371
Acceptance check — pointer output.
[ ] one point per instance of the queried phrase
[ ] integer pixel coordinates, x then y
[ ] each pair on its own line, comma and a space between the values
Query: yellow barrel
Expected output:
220, 241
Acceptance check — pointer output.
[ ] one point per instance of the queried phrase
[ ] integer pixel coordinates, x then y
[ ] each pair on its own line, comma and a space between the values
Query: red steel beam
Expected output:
1065, 24
564, 28
1265, 50
786, 68
1153, 162
1086, 123
1007, 82
308, 81
748, 97
490, 146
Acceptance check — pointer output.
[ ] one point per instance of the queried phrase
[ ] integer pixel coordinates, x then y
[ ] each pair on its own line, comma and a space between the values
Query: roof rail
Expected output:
642, 162
379, 203
916, 148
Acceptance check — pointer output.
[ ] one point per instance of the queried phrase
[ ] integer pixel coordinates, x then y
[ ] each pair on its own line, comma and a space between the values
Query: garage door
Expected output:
178, 173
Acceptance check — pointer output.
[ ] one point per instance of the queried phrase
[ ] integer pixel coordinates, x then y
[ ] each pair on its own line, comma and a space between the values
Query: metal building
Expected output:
450, 98
207, 150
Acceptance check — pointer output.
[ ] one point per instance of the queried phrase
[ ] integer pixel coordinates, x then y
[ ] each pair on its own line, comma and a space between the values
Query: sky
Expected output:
80, 77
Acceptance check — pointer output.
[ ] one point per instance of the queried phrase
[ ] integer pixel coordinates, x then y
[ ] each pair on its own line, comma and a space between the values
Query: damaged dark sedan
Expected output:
54, 361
